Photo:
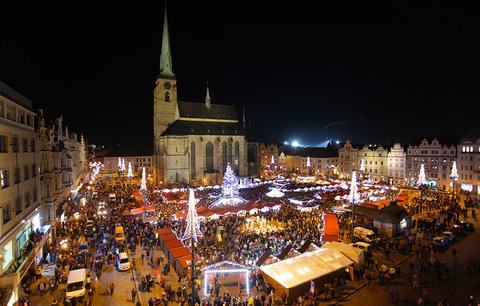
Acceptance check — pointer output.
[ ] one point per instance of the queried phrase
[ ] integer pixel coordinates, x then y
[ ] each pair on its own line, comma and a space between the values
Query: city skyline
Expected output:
379, 74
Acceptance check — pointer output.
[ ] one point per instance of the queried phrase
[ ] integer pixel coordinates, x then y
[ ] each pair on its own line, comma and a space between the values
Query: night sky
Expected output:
379, 72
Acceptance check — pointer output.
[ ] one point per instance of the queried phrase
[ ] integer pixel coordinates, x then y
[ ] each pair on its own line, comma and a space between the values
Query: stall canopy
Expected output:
305, 267
353, 253
139, 210
330, 227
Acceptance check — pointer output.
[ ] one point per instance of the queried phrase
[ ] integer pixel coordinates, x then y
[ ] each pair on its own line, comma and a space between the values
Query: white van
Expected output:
123, 263
362, 245
76, 284
363, 234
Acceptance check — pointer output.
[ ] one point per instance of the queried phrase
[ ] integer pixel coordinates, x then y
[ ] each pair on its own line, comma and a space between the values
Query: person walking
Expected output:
111, 287
41, 288
134, 294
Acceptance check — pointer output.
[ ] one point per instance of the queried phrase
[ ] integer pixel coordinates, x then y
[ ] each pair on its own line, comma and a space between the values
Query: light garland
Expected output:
222, 263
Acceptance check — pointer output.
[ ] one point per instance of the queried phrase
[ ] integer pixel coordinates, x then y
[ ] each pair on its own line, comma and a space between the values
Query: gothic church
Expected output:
194, 142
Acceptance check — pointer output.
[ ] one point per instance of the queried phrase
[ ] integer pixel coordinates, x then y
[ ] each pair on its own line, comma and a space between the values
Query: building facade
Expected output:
348, 160
468, 163
437, 160
193, 142
396, 165
374, 161
19, 191
137, 156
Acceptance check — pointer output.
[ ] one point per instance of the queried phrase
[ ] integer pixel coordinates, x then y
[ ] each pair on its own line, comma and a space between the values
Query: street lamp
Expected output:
454, 177
192, 233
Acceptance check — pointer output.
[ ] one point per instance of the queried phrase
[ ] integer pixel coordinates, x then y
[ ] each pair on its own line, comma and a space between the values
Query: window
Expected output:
21, 117
11, 112
209, 157
167, 96
7, 213
34, 192
15, 144
32, 145
26, 172
27, 199
34, 172
25, 144
237, 157
4, 181
16, 175
3, 144
193, 164
18, 205
224, 155
1, 109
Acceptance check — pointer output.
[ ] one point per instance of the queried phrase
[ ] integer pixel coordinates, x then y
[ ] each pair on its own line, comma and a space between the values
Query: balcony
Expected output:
19, 267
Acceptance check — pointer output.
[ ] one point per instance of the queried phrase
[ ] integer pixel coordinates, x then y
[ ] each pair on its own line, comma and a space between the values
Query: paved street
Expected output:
123, 282
453, 290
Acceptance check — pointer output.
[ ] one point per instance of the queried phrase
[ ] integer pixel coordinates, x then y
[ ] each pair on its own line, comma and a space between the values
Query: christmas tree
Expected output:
193, 226
421, 176
230, 183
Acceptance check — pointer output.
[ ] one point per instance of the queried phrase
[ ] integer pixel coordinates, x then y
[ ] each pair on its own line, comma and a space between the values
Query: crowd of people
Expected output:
225, 238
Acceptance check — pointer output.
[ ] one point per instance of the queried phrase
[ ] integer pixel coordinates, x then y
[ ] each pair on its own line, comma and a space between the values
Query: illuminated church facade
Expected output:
194, 141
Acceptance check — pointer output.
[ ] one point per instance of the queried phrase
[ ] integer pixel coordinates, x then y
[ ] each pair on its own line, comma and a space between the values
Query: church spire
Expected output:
244, 122
207, 98
166, 56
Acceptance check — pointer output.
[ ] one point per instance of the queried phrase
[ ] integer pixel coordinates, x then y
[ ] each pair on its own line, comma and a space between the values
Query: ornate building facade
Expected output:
194, 142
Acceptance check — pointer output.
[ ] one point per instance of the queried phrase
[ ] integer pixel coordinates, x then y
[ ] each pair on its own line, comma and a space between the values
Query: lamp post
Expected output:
352, 197
192, 232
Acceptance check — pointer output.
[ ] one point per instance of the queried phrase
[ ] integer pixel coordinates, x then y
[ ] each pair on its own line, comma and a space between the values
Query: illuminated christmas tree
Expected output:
129, 174
454, 173
193, 226
230, 183
421, 176
143, 185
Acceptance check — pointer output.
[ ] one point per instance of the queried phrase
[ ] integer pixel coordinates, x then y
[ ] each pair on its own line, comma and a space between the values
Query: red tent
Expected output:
330, 227
180, 252
139, 210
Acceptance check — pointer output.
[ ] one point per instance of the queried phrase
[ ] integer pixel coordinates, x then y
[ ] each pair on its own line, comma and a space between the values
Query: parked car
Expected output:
452, 238
467, 226
457, 229
440, 242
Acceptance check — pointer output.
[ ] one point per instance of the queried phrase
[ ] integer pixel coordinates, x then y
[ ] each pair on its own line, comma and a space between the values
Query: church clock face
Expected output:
167, 85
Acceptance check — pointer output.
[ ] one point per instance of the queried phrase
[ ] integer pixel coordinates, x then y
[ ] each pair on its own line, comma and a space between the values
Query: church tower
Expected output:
165, 92
165, 103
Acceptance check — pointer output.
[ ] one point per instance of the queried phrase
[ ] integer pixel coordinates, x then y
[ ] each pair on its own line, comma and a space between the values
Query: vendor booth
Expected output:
353, 253
294, 275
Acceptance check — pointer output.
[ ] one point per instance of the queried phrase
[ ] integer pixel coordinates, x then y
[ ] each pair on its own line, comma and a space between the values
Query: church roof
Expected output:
200, 110
185, 127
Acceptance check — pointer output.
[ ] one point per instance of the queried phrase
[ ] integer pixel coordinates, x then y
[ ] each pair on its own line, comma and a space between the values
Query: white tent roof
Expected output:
305, 267
348, 250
